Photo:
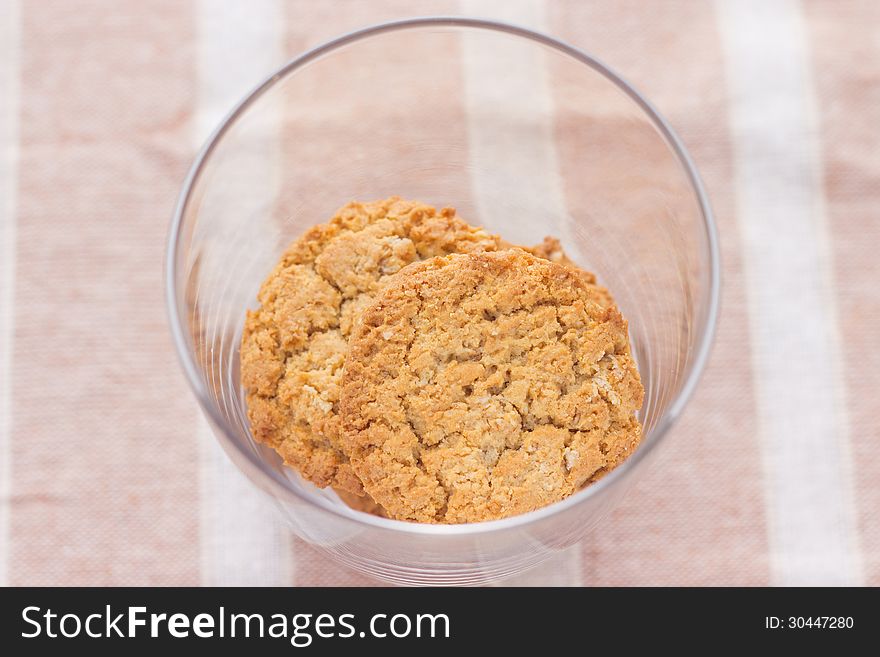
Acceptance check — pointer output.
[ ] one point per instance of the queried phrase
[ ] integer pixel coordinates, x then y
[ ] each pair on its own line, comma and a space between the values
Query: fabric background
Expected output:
108, 474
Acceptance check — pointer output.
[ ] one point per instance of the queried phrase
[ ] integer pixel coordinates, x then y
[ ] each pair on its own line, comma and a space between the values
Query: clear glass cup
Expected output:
524, 135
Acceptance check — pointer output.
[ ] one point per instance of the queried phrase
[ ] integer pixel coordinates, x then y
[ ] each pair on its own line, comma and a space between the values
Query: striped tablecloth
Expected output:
109, 475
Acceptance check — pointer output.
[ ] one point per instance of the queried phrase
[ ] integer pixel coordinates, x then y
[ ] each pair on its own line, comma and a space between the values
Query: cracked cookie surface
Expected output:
293, 346
486, 385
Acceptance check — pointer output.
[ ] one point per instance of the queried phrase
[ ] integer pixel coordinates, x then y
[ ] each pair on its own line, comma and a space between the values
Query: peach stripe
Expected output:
314, 568
846, 53
802, 416
104, 488
243, 540
696, 518
10, 30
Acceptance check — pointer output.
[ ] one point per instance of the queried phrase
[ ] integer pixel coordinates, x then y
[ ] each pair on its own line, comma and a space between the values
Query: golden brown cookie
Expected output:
293, 347
362, 503
485, 385
550, 249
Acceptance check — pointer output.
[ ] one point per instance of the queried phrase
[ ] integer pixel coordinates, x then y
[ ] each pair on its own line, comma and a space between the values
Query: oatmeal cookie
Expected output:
486, 385
550, 249
293, 346
363, 503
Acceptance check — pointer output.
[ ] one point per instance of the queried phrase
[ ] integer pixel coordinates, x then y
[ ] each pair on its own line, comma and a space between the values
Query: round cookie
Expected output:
293, 346
486, 385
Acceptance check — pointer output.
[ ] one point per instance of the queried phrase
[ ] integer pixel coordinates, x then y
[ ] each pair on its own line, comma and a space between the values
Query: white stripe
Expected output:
10, 42
796, 350
516, 155
520, 148
243, 542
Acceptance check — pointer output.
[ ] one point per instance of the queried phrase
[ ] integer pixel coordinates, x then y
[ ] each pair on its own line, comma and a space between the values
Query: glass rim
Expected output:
273, 481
